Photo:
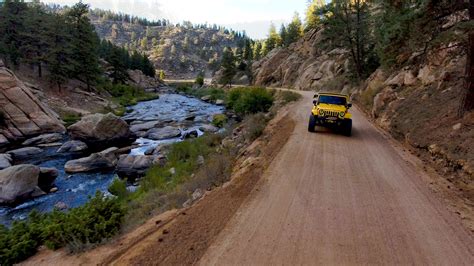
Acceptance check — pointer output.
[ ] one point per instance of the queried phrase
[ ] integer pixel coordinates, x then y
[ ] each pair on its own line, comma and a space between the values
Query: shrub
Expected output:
97, 220
70, 118
249, 100
288, 96
126, 95
219, 120
199, 80
118, 188
254, 125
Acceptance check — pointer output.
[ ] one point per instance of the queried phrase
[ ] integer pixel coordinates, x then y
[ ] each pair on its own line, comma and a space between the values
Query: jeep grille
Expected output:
330, 113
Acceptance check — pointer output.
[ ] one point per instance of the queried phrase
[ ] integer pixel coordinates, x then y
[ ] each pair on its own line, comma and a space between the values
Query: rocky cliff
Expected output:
304, 65
21, 113
417, 103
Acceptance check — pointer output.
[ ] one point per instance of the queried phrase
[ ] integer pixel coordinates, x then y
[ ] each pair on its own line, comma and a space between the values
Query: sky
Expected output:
253, 16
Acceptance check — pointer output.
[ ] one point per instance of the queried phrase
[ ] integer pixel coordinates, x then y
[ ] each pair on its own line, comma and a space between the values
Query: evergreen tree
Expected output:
272, 40
257, 53
34, 40
85, 45
59, 56
228, 67
313, 14
294, 30
283, 36
12, 16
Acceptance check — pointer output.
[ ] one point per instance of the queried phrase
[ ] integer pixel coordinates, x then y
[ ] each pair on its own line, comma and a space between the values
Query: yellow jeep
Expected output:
331, 110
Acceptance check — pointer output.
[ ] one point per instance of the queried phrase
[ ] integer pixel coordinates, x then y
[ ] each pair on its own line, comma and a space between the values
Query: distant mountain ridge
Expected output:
181, 50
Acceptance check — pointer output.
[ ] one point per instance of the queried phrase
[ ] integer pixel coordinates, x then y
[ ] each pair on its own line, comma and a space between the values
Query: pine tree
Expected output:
59, 56
283, 36
228, 67
272, 40
313, 14
12, 16
85, 45
34, 41
257, 53
294, 30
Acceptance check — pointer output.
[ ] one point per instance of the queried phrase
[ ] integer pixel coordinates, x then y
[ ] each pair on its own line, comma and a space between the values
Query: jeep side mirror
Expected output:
349, 105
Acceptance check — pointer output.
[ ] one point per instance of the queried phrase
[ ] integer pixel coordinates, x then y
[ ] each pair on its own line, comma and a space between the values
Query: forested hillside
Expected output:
60, 45
179, 50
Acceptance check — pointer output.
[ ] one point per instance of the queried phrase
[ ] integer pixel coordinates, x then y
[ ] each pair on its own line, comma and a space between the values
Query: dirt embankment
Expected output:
182, 237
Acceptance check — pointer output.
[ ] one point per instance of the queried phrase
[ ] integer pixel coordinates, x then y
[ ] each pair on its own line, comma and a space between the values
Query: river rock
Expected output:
73, 146
163, 133
104, 160
100, 129
24, 153
18, 182
206, 98
143, 126
5, 161
220, 102
133, 166
43, 139
61, 206
46, 178
208, 128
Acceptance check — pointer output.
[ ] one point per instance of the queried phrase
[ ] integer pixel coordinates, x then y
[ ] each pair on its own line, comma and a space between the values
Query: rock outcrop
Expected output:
302, 66
21, 113
5, 161
18, 182
102, 130
24, 153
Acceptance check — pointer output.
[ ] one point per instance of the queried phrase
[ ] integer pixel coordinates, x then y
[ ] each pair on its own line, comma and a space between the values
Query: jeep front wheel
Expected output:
347, 128
312, 124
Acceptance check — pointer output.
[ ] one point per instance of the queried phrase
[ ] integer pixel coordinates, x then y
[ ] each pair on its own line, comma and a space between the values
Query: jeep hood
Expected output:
332, 107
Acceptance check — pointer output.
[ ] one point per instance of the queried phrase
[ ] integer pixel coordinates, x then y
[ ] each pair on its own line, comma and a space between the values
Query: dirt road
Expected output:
330, 199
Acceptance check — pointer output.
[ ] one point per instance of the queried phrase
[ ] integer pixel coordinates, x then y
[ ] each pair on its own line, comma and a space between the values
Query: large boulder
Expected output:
73, 146
18, 182
134, 166
163, 133
5, 161
43, 139
22, 113
143, 126
101, 161
100, 129
24, 153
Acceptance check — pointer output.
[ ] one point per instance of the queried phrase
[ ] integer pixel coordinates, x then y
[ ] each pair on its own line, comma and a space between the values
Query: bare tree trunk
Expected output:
467, 103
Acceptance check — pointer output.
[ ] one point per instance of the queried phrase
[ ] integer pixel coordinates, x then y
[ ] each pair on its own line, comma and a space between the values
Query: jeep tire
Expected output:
312, 124
347, 128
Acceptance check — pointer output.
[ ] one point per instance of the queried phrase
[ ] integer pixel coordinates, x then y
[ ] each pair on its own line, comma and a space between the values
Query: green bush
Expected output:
199, 80
219, 120
288, 96
119, 188
97, 220
215, 93
246, 101
126, 95
70, 118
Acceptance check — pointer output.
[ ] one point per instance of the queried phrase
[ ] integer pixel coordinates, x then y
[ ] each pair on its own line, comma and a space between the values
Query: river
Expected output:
74, 190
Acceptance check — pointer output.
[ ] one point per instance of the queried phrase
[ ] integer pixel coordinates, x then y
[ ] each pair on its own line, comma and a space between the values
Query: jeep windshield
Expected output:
327, 99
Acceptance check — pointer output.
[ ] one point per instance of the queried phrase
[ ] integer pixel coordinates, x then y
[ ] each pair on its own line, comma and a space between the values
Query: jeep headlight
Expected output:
342, 114
321, 112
